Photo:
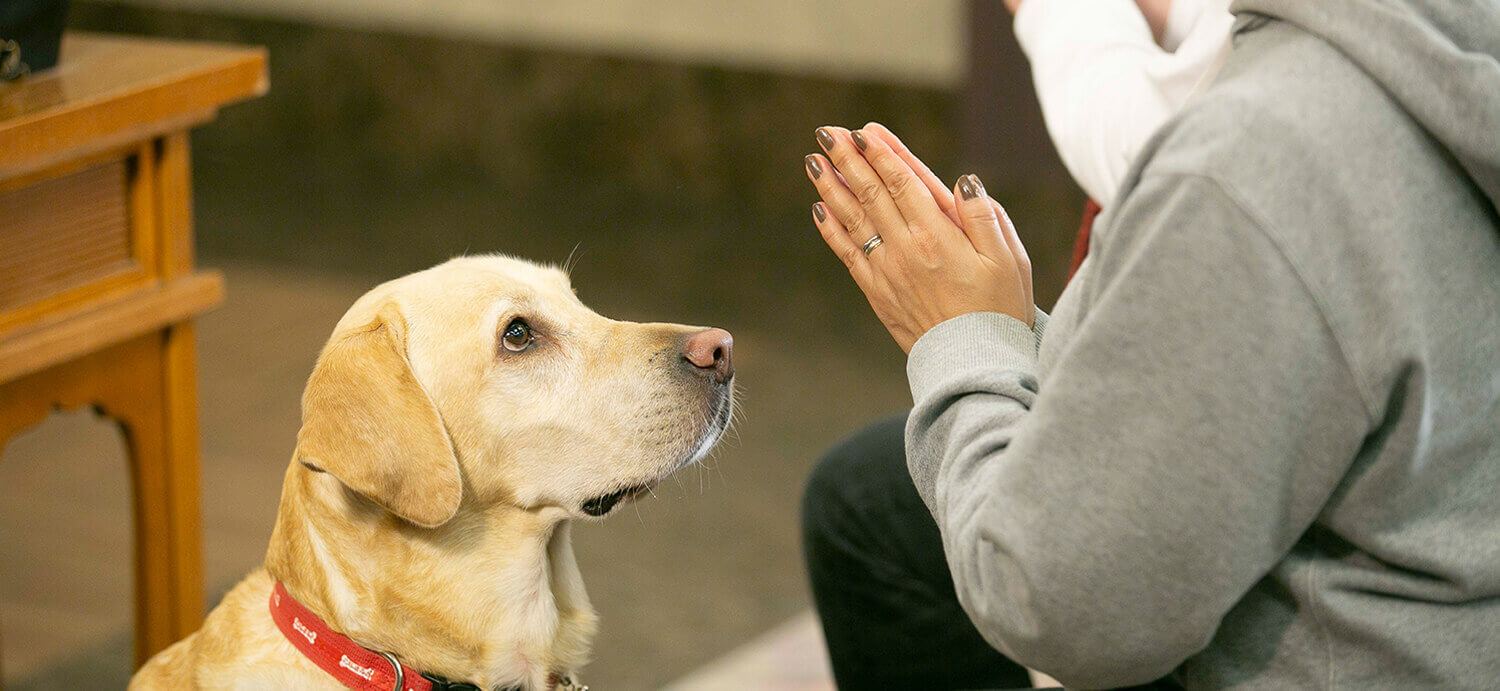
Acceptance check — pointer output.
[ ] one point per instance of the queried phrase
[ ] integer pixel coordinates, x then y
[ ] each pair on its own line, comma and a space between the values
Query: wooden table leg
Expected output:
181, 469
160, 418
137, 407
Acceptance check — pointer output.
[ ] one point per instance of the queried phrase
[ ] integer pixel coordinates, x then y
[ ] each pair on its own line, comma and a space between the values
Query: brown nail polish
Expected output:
813, 167
970, 187
818, 213
859, 140
825, 138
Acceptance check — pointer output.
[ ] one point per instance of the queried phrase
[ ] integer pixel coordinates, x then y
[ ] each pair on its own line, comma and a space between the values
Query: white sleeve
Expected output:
1105, 85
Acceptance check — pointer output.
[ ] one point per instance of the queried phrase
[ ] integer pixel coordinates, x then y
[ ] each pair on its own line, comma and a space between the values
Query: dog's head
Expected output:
485, 379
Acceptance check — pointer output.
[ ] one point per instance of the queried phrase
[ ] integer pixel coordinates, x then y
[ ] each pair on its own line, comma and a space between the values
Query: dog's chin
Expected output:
603, 504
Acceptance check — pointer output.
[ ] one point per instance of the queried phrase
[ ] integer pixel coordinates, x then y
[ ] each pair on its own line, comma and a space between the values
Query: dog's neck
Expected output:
493, 597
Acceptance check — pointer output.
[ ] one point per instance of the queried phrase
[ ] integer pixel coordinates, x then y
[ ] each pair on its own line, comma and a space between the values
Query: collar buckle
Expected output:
395, 664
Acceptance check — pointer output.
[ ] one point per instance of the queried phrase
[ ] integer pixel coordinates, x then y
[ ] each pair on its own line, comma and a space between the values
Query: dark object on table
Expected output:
30, 34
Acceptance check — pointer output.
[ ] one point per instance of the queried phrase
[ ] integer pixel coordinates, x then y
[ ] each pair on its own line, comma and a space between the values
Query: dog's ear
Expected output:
368, 422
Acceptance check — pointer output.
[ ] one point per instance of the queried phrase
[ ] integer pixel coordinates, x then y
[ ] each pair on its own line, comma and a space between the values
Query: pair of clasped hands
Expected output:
940, 254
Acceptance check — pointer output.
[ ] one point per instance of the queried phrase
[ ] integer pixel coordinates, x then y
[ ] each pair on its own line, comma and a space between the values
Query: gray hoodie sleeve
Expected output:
1100, 525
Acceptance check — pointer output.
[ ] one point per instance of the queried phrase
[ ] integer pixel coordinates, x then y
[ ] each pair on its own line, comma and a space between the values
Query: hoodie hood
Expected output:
1439, 59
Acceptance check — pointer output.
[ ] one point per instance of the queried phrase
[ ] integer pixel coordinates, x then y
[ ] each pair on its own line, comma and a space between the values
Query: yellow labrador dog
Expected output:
456, 423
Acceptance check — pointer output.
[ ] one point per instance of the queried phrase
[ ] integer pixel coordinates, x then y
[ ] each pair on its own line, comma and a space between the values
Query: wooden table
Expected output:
97, 285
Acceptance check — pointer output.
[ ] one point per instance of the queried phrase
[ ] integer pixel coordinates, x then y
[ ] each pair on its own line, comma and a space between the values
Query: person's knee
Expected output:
824, 504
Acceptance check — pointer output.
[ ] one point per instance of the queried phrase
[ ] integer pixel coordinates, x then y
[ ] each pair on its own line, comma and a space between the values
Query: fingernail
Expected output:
813, 167
970, 187
825, 138
859, 140
818, 212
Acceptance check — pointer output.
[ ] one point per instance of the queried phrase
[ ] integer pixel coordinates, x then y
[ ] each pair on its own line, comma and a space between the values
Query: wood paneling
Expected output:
63, 233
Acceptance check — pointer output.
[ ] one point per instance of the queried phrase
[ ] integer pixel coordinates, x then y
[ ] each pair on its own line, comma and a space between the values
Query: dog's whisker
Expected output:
573, 257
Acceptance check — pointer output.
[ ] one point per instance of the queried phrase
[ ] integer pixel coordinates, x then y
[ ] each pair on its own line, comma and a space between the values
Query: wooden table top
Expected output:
111, 90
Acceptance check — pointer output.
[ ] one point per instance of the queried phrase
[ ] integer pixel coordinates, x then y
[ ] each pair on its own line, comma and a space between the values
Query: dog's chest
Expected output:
545, 631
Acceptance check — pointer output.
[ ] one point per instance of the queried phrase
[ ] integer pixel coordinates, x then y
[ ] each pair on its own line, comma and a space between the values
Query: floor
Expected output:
679, 580
790, 657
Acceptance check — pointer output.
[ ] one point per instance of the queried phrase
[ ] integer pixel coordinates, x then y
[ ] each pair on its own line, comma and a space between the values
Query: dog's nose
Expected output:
712, 351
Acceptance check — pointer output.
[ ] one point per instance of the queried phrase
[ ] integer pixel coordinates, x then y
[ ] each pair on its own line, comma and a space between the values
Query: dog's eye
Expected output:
518, 336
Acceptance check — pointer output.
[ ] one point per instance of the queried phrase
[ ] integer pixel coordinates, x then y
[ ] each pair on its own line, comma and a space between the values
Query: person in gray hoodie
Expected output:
1257, 443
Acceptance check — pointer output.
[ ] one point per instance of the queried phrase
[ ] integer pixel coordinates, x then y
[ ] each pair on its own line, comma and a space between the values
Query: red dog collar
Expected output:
356, 666
352, 664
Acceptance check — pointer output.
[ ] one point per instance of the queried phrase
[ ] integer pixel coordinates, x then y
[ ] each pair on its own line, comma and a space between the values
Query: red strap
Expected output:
1085, 230
352, 664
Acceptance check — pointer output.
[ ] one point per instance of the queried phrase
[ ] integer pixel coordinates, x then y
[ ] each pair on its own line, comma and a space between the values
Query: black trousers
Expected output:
880, 579
881, 582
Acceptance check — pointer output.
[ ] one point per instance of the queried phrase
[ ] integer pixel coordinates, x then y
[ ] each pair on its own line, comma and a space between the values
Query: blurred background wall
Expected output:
776, 35
588, 121
663, 141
